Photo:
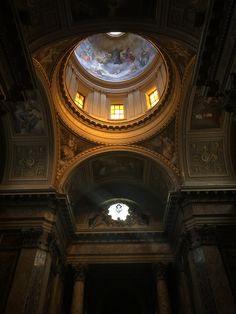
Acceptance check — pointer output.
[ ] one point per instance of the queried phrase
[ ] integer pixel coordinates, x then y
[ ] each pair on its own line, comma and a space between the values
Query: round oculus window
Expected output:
118, 211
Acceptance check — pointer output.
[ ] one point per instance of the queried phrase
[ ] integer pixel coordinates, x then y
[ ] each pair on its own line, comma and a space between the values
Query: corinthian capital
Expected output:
160, 270
80, 271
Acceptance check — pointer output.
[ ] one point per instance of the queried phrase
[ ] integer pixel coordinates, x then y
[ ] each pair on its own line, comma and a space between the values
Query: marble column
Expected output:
185, 302
27, 294
211, 288
162, 289
78, 290
55, 302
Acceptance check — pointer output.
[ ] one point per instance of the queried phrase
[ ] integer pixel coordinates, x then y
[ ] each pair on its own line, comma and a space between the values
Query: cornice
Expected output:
59, 203
119, 237
213, 195
177, 201
25, 196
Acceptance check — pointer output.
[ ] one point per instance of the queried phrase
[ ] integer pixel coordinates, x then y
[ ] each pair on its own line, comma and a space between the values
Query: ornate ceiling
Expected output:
115, 59
48, 142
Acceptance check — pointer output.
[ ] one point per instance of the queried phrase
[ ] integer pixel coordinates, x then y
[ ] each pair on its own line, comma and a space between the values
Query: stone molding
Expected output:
180, 200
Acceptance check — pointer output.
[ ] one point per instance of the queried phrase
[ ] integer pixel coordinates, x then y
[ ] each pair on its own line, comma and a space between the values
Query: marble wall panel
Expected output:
30, 161
206, 158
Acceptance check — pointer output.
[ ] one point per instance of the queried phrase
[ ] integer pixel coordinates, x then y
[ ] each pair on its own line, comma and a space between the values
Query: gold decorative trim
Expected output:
65, 171
126, 133
109, 126
40, 68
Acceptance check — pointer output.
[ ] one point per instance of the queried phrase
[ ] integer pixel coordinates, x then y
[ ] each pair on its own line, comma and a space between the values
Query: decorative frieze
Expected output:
206, 111
27, 115
193, 205
119, 166
206, 158
71, 145
30, 161
164, 144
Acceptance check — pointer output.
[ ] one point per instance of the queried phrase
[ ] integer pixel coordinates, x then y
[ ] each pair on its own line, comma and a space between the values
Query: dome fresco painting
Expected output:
115, 59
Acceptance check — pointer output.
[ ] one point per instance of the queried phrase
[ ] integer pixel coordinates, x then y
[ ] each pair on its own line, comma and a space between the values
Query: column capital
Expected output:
160, 270
80, 271
36, 237
32, 237
198, 236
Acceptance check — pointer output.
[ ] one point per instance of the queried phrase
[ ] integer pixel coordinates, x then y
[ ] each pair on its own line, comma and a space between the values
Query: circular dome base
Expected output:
92, 117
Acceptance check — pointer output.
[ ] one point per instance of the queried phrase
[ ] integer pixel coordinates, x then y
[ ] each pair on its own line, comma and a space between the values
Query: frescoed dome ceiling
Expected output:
115, 59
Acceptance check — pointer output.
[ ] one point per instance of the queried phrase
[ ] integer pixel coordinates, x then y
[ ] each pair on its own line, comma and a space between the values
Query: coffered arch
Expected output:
121, 173
171, 173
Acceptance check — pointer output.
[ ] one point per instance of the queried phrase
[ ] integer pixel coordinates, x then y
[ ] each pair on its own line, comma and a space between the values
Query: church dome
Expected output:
115, 58
117, 87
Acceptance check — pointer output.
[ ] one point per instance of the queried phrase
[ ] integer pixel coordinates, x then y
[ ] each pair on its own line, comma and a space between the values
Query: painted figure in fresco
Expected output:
116, 62
127, 55
104, 59
207, 111
168, 147
28, 119
144, 57
120, 166
164, 145
115, 56
86, 52
68, 149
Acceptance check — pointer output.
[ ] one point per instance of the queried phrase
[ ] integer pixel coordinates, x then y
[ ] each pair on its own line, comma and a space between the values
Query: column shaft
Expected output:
78, 298
78, 291
163, 297
162, 289
29, 284
53, 308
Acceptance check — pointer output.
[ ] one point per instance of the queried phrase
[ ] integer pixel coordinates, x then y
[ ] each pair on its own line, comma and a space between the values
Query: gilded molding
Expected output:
42, 71
105, 125
133, 131
63, 173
